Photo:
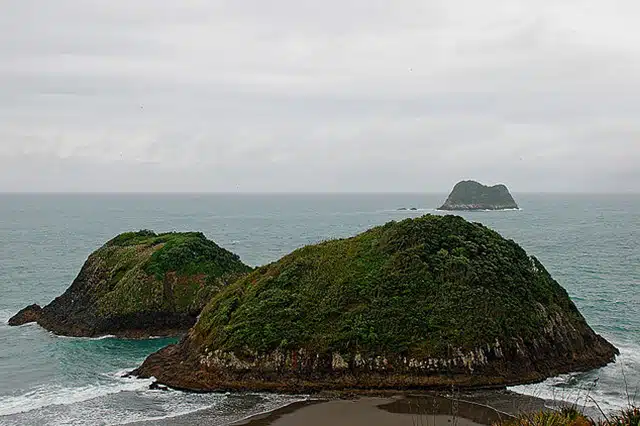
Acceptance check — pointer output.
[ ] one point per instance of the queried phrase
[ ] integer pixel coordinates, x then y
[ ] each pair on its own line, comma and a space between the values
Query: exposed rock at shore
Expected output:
471, 195
427, 302
139, 284
26, 315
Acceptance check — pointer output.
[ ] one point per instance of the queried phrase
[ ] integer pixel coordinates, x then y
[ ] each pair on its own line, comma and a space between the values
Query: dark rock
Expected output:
157, 386
471, 195
26, 315
402, 209
413, 208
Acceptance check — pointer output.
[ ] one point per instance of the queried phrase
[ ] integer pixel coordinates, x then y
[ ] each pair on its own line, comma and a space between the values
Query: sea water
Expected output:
589, 243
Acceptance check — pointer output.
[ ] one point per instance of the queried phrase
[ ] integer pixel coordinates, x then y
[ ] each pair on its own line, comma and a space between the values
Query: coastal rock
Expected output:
471, 195
139, 284
26, 315
429, 302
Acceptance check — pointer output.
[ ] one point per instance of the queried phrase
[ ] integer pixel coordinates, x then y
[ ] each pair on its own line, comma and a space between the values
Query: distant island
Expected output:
139, 284
470, 195
434, 302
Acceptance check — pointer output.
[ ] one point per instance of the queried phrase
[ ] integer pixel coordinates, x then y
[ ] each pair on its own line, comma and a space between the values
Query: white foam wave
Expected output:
5, 315
610, 388
60, 336
174, 407
45, 396
273, 402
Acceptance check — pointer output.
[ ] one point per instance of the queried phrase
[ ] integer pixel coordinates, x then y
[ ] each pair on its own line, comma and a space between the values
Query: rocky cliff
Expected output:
471, 195
139, 284
428, 302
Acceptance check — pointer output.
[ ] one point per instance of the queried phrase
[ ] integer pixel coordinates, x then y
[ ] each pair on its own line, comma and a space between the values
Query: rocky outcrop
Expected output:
139, 284
429, 302
471, 195
26, 315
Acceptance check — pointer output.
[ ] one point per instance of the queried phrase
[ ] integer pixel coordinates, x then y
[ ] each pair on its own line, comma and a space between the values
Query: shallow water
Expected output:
589, 243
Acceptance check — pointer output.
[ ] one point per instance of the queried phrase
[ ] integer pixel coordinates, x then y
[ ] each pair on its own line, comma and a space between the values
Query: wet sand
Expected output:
400, 410
381, 409
366, 411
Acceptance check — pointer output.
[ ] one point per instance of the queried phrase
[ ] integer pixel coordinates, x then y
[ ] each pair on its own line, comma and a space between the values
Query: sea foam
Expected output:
609, 388
45, 396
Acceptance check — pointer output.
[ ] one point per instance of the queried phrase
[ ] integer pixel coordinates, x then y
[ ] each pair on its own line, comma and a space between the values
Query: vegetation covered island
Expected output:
429, 302
139, 284
471, 195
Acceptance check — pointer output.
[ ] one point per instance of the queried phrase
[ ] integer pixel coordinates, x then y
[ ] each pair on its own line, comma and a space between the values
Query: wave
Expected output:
106, 336
611, 387
5, 315
271, 403
46, 396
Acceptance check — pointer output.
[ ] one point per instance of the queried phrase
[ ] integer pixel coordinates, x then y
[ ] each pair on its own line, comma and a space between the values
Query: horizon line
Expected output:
300, 192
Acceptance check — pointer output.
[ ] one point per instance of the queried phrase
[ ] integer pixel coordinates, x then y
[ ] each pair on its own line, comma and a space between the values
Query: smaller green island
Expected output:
139, 284
469, 195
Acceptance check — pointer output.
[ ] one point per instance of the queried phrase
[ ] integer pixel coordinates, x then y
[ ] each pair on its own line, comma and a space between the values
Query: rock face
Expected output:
139, 284
471, 195
428, 302
26, 315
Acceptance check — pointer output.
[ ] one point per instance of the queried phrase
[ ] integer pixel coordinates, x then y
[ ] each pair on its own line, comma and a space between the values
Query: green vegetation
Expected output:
570, 416
471, 195
417, 287
171, 272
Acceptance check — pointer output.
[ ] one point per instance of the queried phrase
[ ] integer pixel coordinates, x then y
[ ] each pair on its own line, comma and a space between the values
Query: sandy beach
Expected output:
392, 409
400, 410
367, 411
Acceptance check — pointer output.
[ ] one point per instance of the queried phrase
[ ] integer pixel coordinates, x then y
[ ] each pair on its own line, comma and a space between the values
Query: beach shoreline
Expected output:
470, 408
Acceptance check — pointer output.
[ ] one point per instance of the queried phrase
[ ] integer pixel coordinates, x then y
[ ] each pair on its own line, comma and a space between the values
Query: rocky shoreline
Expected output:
176, 367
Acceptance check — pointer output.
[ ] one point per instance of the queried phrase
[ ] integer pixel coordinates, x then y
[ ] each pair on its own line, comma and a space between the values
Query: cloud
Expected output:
336, 96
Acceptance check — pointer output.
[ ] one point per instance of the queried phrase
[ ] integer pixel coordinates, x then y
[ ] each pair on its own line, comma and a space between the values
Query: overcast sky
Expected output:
333, 95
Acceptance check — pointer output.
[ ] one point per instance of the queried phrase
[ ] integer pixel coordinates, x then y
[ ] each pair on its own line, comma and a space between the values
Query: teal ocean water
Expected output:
589, 243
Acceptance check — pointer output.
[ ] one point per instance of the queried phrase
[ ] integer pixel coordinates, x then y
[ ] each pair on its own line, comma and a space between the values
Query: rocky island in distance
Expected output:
469, 195
430, 302
139, 284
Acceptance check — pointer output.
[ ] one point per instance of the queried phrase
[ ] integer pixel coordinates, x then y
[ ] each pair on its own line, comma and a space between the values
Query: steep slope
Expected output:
139, 284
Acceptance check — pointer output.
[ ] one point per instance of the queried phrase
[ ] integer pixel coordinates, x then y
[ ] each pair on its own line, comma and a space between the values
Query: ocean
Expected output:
589, 243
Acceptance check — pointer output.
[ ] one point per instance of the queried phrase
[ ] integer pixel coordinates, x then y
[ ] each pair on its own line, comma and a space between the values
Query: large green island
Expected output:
139, 284
422, 303
470, 195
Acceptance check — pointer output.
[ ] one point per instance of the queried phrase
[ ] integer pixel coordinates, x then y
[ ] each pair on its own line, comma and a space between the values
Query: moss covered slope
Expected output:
142, 283
429, 301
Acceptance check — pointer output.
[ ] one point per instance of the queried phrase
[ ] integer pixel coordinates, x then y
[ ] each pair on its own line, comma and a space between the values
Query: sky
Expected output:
331, 96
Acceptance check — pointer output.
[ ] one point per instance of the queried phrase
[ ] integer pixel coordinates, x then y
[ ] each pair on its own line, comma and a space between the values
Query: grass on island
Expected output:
413, 287
140, 265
